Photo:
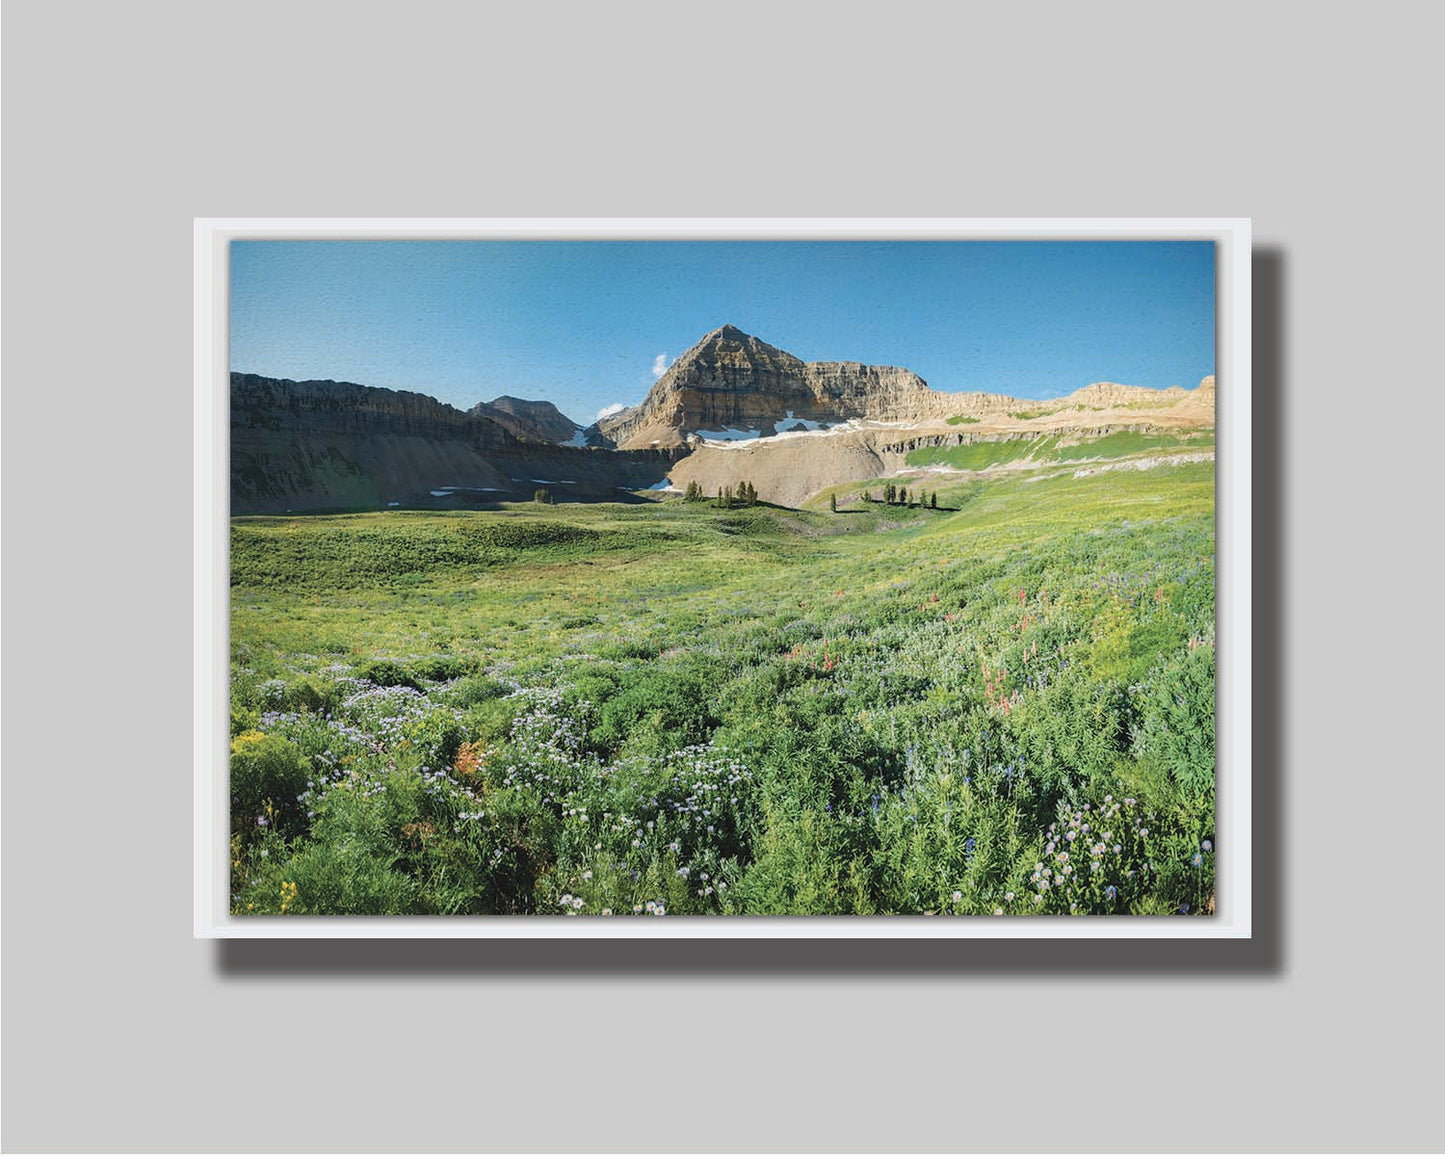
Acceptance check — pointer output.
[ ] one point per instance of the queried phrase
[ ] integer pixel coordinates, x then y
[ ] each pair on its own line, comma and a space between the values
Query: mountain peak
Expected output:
724, 335
539, 421
729, 346
732, 380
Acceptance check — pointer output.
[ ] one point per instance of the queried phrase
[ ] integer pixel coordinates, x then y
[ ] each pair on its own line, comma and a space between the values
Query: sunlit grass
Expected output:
913, 695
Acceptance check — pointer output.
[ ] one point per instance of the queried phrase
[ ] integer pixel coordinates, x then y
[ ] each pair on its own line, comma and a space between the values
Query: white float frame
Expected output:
1232, 918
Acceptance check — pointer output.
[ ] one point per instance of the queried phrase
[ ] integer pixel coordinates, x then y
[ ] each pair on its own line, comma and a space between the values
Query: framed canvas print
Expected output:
867, 578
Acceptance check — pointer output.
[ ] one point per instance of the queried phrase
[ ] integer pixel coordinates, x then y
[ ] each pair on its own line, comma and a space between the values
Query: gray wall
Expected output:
122, 122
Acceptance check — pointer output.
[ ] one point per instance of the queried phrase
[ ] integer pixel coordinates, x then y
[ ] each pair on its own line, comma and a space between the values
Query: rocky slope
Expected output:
1111, 395
731, 383
732, 380
533, 421
731, 409
789, 468
313, 445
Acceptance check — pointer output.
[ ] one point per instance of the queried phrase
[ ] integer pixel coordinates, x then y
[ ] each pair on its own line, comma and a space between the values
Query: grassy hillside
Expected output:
1003, 705
1045, 449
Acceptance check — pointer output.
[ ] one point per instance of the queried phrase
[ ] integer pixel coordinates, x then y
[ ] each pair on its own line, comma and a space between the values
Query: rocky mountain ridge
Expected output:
731, 408
313, 445
1110, 394
733, 381
533, 421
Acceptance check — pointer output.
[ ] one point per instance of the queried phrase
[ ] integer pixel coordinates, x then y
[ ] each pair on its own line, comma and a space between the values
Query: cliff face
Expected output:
1108, 395
731, 379
789, 469
314, 445
343, 407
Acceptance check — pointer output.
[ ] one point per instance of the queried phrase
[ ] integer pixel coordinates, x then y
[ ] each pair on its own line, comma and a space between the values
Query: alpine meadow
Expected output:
781, 637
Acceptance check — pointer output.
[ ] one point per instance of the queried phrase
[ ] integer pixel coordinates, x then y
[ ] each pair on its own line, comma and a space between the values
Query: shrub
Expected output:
385, 672
435, 738
243, 718
1186, 875
801, 869
442, 667
657, 710
490, 721
312, 695
1178, 721
349, 868
266, 769
475, 690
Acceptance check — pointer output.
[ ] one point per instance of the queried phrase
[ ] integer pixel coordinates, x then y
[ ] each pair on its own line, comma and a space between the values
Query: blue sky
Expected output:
584, 323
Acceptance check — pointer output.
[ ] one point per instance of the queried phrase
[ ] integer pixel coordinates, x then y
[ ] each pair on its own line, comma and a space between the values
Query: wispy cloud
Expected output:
659, 365
609, 410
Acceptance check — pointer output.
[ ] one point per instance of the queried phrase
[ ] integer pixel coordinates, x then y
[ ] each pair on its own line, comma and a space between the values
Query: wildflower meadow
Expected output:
998, 704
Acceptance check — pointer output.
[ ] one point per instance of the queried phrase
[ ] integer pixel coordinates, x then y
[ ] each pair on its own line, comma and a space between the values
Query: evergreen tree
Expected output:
833, 502
933, 500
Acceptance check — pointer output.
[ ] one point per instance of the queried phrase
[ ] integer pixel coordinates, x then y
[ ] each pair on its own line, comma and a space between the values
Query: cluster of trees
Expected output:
746, 494
544, 498
728, 498
902, 496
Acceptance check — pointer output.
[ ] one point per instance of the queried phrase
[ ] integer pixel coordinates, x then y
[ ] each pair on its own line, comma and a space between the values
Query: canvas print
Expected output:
706, 579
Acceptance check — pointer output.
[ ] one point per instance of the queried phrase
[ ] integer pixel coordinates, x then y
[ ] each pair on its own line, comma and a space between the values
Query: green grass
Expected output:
755, 710
1125, 443
962, 419
979, 455
1045, 449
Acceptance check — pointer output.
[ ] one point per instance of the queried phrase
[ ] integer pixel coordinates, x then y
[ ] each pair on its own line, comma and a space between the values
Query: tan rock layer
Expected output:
731, 379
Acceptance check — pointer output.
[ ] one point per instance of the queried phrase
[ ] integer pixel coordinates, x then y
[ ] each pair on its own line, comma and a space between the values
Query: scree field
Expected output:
1001, 706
